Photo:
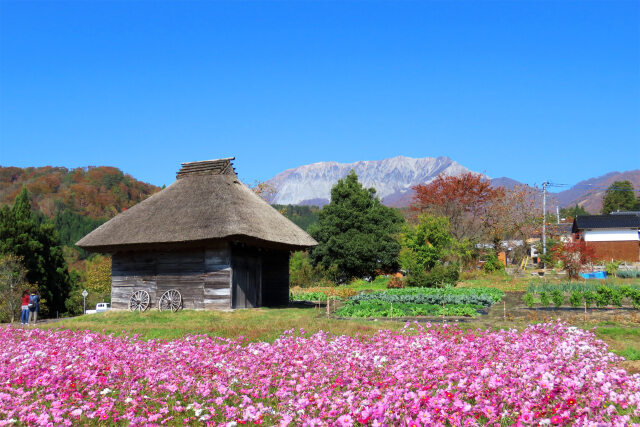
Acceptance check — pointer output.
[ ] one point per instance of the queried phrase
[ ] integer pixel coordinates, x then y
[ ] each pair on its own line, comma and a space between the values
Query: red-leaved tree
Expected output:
574, 255
465, 199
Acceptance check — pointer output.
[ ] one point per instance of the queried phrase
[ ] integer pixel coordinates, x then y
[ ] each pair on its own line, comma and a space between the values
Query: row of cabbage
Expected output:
599, 295
420, 302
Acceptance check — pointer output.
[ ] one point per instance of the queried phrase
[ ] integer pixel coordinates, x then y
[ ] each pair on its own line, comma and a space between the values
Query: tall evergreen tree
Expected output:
22, 206
39, 248
573, 211
355, 232
619, 197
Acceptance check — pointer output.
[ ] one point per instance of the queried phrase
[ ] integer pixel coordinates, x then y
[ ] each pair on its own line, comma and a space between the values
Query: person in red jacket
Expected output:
24, 317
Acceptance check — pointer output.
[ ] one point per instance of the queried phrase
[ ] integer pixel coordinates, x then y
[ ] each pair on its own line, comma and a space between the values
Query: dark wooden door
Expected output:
247, 282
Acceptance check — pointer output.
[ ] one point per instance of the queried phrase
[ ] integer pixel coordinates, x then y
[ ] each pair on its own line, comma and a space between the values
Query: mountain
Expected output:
505, 182
589, 193
392, 178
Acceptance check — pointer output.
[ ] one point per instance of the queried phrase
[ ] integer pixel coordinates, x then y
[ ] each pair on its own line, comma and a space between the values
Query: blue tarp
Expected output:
594, 275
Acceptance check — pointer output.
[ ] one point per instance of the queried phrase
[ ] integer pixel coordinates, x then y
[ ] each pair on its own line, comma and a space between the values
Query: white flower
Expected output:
106, 391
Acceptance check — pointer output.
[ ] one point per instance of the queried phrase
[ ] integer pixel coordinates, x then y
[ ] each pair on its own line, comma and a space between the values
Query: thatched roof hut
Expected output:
207, 235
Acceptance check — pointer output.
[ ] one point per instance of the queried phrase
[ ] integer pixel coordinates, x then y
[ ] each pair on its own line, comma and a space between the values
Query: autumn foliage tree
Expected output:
464, 199
513, 215
98, 275
573, 256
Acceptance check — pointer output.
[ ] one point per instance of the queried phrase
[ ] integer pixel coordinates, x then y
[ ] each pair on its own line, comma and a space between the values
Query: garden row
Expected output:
411, 302
581, 295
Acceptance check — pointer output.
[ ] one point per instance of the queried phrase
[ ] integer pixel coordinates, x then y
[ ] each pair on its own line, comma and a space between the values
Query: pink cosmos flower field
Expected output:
423, 376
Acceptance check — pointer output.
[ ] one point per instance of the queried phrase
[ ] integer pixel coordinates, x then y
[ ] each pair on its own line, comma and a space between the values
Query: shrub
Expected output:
492, 263
303, 274
528, 299
612, 267
602, 300
575, 299
439, 276
616, 297
544, 299
635, 297
558, 297
395, 283
589, 298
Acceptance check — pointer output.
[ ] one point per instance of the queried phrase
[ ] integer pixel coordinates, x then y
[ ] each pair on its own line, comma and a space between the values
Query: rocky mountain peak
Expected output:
392, 178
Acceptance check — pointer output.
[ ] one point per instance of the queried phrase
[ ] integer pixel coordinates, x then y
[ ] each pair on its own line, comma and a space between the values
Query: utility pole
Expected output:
544, 217
558, 213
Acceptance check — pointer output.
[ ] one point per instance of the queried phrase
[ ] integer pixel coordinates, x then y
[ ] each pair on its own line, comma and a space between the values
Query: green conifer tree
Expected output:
619, 197
355, 232
39, 248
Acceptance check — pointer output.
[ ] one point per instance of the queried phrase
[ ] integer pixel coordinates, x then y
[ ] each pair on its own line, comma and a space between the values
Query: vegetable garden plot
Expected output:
546, 374
412, 302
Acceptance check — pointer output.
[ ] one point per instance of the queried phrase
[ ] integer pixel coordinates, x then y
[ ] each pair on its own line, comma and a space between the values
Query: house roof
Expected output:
582, 222
206, 202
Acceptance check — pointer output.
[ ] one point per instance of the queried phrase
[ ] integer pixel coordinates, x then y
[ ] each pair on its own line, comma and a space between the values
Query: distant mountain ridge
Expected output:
589, 193
392, 178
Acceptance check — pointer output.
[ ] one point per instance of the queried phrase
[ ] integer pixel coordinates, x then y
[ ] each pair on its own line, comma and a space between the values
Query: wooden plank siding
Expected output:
201, 275
207, 278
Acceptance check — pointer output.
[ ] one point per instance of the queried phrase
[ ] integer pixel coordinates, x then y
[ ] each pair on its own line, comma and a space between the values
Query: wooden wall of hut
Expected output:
220, 276
203, 276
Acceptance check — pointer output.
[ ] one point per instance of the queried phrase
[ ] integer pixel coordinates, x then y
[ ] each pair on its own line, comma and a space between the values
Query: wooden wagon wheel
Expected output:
139, 301
170, 300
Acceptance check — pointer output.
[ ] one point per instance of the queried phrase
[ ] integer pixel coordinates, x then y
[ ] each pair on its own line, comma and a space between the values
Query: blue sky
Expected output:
532, 91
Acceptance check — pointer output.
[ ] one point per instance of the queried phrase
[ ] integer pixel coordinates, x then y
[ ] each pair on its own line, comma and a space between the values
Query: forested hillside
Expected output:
302, 216
94, 192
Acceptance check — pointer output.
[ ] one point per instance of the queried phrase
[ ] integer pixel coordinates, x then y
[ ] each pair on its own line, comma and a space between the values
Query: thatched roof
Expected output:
206, 202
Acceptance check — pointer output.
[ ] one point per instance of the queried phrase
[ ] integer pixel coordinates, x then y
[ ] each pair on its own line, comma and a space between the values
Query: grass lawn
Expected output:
261, 324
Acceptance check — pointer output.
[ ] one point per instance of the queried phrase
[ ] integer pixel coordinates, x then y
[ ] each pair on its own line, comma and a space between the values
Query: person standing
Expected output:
34, 306
24, 316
